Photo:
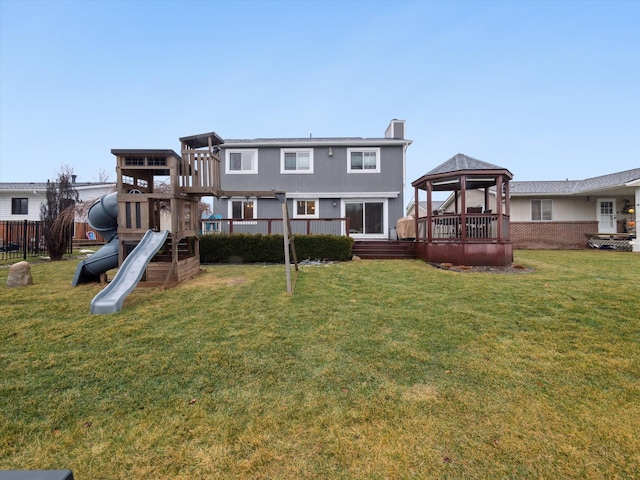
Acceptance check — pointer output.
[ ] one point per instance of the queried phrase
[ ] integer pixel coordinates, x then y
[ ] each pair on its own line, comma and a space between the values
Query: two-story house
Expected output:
360, 179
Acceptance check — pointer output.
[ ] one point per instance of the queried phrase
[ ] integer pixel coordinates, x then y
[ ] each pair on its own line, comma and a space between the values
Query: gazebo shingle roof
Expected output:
463, 162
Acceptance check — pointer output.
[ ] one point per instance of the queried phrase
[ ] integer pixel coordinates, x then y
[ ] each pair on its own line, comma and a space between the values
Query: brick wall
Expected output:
551, 235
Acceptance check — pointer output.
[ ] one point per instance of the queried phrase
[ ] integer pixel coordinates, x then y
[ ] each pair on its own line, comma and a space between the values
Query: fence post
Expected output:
70, 237
38, 238
25, 241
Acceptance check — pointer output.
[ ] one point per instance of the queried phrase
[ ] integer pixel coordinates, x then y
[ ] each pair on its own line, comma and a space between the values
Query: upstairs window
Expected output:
541, 210
19, 206
363, 160
242, 161
296, 160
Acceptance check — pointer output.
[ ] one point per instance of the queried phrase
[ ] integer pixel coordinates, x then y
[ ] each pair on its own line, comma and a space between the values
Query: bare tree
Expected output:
58, 213
102, 176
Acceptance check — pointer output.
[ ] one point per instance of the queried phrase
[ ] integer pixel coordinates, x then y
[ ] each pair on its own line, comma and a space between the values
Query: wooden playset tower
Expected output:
160, 190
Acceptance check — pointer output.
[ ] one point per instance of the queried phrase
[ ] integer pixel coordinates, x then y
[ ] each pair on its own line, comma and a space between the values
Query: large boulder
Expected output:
19, 275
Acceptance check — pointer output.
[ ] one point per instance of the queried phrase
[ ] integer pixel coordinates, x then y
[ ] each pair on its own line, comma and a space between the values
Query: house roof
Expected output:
422, 204
312, 142
566, 187
31, 186
159, 152
627, 178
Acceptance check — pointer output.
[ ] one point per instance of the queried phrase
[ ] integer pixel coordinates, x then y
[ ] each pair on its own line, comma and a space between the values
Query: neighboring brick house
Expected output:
562, 214
361, 179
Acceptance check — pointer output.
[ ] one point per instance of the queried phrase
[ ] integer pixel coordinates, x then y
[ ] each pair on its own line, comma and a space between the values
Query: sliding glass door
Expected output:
365, 217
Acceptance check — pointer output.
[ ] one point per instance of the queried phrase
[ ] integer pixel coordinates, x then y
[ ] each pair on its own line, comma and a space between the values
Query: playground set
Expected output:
144, 252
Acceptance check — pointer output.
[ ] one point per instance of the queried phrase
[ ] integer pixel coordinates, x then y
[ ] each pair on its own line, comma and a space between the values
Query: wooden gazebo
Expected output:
474, 230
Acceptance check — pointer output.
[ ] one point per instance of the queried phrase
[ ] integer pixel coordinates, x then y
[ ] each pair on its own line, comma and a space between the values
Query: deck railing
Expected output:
480, 227
273, 226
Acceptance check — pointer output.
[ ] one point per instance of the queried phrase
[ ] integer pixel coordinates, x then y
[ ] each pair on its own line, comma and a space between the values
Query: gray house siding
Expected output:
329, 173
328, 182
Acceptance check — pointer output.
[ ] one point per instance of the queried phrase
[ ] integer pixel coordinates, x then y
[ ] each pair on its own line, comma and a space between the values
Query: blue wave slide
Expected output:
110, 299
103, 217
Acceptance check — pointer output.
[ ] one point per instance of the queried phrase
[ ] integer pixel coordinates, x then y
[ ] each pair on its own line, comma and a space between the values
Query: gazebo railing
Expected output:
448, 227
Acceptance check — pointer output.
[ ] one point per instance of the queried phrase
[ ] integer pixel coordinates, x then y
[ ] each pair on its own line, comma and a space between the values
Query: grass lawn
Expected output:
372, 369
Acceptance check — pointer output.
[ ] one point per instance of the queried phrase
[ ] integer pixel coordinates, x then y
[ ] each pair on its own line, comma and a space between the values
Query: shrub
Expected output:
243, 248
324, 247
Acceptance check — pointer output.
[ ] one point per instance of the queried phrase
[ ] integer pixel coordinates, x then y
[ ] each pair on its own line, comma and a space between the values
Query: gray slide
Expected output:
103, 218
110, 299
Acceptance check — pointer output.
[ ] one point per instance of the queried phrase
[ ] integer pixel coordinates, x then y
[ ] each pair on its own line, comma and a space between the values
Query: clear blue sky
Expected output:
548, 89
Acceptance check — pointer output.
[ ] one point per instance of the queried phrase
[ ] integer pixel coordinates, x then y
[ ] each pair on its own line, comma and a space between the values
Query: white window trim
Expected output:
540, 200
295, 207
20, 214
296, 150
243, 199
364, 149
227, 160
385, 213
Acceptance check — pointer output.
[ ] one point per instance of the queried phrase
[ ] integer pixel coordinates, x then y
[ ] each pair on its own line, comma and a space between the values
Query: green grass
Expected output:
372, 369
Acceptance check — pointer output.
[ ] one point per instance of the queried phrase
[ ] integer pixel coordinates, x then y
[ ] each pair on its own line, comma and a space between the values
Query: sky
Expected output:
547, 89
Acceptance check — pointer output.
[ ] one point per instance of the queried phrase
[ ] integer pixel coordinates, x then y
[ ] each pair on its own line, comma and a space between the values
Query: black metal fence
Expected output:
24, 238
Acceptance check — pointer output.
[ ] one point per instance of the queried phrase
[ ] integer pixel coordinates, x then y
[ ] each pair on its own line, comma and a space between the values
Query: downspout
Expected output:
404, 172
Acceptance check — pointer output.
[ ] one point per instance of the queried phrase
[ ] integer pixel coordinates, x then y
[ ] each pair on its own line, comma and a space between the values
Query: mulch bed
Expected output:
513, 268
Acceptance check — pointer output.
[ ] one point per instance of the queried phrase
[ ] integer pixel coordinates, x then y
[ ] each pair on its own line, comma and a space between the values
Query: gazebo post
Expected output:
463, 207
429, 210
416, 212
507, 195
499, 197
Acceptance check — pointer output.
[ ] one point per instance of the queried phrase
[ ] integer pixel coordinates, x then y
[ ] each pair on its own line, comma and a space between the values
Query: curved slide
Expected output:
103, 218
110, 299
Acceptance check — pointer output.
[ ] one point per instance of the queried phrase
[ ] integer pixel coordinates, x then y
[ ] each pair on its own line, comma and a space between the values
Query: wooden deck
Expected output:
611, 241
